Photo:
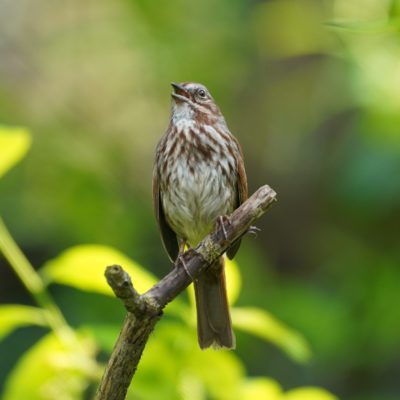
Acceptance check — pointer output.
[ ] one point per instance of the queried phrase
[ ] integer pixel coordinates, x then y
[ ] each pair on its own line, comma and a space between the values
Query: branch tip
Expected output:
121, 284
146, 310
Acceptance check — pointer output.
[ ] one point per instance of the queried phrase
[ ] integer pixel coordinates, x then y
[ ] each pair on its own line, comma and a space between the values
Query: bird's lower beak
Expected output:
180, 92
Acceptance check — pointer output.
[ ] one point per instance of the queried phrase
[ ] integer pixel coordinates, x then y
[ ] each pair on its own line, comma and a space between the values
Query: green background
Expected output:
312, 91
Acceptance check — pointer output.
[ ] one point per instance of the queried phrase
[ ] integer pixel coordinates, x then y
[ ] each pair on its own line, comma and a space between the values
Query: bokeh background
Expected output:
311, 88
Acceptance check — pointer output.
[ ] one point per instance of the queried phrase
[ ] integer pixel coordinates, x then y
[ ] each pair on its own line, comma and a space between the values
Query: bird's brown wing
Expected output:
168, 236
242, 194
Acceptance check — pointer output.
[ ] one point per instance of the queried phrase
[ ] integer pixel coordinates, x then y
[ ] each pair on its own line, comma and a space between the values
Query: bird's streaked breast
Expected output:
200, 178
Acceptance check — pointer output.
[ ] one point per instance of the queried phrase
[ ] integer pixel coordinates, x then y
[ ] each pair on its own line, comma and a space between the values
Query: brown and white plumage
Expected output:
198, 176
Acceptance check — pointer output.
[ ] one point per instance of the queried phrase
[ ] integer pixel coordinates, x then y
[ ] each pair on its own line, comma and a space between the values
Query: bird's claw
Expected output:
222, 219
180, 261
253, 230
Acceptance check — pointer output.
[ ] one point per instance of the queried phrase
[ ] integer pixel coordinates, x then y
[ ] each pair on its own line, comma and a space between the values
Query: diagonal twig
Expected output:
145, 310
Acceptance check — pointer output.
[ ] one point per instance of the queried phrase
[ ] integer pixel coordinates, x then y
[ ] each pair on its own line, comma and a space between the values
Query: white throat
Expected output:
181, 111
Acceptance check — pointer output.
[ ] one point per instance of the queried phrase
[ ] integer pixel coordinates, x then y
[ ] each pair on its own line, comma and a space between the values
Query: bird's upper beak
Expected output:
180, 92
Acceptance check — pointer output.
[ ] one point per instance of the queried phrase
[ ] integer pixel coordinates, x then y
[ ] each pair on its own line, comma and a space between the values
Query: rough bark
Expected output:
145, 310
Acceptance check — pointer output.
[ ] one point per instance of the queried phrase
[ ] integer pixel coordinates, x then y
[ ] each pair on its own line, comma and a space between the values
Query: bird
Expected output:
199, 179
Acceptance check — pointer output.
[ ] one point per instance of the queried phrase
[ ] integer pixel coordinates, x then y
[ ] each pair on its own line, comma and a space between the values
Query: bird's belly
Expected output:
195, 200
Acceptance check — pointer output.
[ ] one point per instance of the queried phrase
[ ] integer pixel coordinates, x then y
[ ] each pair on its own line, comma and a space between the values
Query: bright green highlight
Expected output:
14, 143
264, 325
13, 316
63, 365
82, 267
52, 370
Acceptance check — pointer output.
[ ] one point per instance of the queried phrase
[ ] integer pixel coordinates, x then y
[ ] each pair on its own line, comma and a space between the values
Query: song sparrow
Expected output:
199, 176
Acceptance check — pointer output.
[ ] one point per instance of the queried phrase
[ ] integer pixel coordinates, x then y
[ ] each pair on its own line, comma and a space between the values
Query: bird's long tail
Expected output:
214, 327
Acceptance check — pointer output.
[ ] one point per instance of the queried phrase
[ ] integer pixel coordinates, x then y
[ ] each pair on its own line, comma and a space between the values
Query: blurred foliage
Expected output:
310, 88
63, 365
13, 144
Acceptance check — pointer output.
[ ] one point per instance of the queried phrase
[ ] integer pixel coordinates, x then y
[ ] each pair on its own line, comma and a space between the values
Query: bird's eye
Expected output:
202, 93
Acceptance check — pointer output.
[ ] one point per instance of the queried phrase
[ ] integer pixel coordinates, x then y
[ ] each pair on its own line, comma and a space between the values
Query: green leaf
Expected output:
233, 280
219, 372
105, 335
309, 393
158, 373
52, 370
14, 143
83, 267
263, 324
173, 367
261, 388
13, 316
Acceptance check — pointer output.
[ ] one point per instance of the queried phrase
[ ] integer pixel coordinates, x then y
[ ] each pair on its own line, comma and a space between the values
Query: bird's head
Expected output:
193, 101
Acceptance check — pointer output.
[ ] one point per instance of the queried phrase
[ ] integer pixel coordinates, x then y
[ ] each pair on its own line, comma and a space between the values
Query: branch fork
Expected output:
145, 310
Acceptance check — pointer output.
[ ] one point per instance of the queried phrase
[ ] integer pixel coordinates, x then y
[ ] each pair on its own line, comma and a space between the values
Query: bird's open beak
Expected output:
180, 92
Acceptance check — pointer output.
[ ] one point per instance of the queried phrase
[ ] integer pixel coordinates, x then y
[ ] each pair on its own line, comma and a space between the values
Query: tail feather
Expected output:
214, 327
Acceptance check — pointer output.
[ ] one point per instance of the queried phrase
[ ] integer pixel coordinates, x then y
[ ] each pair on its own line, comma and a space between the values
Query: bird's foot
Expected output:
221, 221
253, 231
180, 261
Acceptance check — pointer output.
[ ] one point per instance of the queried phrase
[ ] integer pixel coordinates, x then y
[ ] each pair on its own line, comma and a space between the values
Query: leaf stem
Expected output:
35, 286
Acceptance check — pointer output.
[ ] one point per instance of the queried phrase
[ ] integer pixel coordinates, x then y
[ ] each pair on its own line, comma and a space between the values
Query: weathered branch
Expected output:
145, 310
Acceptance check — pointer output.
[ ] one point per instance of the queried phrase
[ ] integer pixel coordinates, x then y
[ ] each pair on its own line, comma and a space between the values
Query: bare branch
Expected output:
144, 311
121, 284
